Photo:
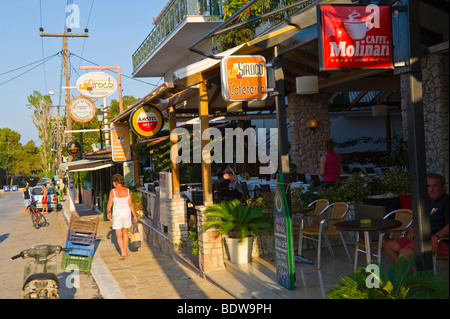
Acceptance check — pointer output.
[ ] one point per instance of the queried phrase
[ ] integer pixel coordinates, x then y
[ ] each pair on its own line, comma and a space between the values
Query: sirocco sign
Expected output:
244, 78
355, 37
96, 84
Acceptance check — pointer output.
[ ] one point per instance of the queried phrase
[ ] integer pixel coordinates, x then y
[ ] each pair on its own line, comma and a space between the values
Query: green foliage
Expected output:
397, 181
236, 220
399, 155
400, 281
265, 201
302, 197
353, 189
193, 236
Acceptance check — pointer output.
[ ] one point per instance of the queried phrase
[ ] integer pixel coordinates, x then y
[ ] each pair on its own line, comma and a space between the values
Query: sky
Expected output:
116, 29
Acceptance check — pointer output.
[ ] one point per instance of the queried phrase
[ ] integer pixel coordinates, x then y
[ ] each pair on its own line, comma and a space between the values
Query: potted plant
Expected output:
237, 223
401, 281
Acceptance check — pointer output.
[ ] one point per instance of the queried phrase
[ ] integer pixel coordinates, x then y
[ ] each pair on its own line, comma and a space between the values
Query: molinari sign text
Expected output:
355, 36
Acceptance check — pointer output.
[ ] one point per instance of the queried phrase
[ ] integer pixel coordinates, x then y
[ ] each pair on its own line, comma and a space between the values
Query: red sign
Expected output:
355, 37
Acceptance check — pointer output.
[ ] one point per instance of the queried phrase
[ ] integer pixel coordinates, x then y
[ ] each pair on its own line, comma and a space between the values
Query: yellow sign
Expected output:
120, 137
146, 121
244, 78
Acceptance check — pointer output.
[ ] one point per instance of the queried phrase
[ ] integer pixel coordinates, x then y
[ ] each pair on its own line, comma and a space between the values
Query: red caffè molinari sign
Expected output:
355, 36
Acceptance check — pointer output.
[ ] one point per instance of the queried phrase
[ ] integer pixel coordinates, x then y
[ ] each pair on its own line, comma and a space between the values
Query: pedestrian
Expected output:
44, 193
122, 208
438, 208
26, 200
330, 165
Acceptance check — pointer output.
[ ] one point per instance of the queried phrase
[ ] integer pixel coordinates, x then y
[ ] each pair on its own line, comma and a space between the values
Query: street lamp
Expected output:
99, 116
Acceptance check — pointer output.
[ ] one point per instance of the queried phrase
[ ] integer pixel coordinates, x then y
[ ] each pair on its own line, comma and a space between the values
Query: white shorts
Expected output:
121, 220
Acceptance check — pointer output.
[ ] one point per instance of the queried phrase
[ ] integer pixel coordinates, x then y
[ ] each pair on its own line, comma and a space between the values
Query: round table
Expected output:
377, 224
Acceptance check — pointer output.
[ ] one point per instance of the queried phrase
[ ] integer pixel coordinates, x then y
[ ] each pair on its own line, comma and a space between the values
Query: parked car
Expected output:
52, 197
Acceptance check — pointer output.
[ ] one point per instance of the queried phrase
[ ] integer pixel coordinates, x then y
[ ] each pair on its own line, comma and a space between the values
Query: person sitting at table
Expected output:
438, 206
330, 165
226, 177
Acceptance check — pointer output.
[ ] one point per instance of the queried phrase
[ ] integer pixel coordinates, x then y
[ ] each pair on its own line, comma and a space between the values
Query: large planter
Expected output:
239, 251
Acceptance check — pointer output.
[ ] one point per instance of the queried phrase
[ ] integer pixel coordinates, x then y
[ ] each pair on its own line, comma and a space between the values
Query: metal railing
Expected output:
175, 12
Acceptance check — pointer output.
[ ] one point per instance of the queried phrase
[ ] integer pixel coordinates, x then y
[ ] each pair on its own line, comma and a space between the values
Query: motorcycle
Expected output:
40, 279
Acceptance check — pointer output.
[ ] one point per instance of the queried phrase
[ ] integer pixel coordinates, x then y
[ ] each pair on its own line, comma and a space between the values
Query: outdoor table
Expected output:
377, 224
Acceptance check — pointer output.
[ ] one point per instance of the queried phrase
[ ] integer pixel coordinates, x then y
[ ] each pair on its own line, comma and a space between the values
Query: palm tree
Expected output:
236, 220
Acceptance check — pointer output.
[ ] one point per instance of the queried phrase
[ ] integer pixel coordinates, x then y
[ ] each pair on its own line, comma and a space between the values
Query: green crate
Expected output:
83, 263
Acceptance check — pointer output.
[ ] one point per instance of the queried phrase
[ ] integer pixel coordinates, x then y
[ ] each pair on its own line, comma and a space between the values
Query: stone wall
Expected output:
306, 143
435, 81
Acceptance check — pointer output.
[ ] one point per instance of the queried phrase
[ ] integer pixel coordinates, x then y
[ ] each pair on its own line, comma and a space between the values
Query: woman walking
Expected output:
122, 207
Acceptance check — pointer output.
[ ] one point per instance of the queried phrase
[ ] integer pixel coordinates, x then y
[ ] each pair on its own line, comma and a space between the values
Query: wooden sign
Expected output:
244, 78
120, 142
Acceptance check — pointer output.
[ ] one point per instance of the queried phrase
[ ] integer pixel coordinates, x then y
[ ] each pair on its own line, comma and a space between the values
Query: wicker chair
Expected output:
326, 228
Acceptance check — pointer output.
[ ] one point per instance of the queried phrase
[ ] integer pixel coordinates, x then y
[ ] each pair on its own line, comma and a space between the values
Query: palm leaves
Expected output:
398, 282
235, 219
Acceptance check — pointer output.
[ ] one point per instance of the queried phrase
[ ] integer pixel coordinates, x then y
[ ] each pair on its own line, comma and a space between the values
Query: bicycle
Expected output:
37, 217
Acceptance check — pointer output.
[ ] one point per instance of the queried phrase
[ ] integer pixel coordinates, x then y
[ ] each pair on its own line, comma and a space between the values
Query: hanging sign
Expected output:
120, 140
82, 109
244, 78
355, 36
73, 148
96, 84
146, 120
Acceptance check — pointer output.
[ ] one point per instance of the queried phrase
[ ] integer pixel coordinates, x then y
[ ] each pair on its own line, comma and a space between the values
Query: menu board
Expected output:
284, 256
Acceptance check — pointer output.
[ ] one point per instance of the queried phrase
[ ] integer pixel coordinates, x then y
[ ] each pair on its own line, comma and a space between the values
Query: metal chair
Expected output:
403, 215
245, 192
302, 178
326, 228
265, 188
435, 257
315, 180
315, 218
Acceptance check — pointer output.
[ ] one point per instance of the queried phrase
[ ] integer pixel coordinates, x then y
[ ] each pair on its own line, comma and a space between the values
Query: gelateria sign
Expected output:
146, 121
82, 109
96, 84
355, 37
244, 78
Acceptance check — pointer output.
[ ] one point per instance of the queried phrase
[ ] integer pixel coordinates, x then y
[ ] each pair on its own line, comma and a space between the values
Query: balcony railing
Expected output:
173, 14
177, 10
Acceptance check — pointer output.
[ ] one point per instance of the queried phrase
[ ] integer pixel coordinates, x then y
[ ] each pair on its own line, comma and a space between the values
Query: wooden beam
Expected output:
173, 141
204, 124
357, 99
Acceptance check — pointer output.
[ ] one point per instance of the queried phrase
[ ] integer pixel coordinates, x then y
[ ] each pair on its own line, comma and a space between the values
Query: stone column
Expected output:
435, 81
209, 246
306, 143
177, 224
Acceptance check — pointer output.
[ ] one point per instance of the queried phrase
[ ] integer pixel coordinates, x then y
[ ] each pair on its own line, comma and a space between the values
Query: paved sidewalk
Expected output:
145, 274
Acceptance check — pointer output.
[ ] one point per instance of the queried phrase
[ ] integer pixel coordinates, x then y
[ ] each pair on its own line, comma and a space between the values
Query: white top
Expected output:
120, 204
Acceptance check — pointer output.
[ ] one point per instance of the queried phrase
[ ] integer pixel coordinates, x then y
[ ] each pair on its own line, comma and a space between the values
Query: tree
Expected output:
42, 106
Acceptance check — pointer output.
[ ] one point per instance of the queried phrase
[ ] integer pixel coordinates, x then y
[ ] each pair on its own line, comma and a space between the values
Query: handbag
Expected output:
135, 238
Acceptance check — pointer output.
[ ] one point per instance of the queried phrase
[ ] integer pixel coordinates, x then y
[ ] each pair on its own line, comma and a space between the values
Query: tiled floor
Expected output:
312, 283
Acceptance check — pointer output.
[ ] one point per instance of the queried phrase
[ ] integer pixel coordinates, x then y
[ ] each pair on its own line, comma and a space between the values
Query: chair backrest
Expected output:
265, 188
315, 180
197, 198
319, 207
302, 178
338, 212
405, 216
245, 189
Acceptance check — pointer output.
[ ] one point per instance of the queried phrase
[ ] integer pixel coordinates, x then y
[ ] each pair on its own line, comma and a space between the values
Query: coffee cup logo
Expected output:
356, 27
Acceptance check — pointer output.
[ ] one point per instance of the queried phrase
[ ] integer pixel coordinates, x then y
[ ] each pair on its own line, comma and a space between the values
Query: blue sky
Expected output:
116, 29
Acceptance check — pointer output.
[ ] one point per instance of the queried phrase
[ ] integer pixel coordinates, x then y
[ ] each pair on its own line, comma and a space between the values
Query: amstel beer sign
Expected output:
244, 78
146, 121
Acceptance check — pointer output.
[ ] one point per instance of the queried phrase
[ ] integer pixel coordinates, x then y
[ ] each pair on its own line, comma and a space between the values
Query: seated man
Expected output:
438, 206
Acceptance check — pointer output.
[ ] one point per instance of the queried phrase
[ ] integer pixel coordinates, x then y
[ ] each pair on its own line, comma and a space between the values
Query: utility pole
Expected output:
64, 35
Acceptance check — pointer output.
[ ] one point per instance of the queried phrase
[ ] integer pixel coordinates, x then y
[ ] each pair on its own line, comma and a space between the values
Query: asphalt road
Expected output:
17, 233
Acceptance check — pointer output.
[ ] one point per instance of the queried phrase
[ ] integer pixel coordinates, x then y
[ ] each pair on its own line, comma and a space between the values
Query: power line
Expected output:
24, 66
43, 61
129, 77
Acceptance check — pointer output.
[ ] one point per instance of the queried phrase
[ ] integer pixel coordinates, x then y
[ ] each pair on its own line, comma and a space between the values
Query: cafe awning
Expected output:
85, 165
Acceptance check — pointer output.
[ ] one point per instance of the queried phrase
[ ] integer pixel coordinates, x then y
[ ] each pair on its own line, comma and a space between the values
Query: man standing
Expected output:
438, 206
26, 200
44, 193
